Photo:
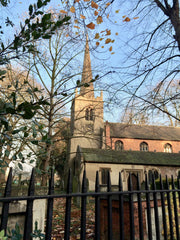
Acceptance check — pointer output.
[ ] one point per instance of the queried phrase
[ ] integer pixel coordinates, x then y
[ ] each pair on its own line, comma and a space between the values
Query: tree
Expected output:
55, 66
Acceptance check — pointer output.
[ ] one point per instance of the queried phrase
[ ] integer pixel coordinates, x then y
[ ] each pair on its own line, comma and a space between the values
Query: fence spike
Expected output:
121, 208
68, 207
5, 209
29, 210
156, 215
148, 207
131, 208
163, 209
141, 231
175, 208
97, 208
169, 209
50, 207
83, 207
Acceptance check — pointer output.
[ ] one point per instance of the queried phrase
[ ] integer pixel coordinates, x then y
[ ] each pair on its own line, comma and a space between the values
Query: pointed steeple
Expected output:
87, 74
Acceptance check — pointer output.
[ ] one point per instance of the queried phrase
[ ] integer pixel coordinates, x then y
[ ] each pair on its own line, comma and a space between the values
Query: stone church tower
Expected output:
86, 112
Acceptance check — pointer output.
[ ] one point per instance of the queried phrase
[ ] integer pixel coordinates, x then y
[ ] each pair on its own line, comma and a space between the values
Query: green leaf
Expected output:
20, 166
30, 10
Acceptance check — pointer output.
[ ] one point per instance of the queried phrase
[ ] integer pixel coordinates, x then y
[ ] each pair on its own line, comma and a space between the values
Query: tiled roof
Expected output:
121, 130
130, 157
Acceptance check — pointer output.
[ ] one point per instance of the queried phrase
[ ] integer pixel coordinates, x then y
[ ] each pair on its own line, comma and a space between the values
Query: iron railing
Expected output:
145, 207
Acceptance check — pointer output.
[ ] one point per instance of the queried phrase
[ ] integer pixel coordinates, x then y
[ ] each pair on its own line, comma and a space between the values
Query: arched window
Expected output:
144, 147
119, 145
168, 148
89, 114
150, 175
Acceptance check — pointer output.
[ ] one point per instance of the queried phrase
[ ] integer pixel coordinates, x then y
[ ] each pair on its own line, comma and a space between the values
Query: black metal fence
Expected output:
148, 213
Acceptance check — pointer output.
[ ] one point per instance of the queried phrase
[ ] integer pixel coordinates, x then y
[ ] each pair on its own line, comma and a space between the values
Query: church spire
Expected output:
87, 74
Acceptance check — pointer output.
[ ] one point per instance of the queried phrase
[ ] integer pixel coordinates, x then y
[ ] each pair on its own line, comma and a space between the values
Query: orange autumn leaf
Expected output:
127, 19
86, 0
97, 36
91, 25
124, 16
67, 35
99, 20
135, 18
96, 13
108, 40
77, 27
63, 11
116, 33
101, 39
94, 5
77, 1
113, 53
107, 4
108, 32
97, 43
102, 47
112, 40
107, 15
117, 11
110, 49
72, 9
75, 21
82, 16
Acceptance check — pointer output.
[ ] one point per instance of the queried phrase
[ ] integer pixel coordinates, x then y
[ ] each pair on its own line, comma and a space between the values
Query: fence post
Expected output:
97, 209
83, 207
121, 209
5, 209
148, 208
68, 207
169, 209
141, 229
50, 207
131, 208
110, 233
175, 209
163, 209
29, 210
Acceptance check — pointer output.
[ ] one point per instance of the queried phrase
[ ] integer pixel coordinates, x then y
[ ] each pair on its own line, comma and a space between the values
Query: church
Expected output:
101, 146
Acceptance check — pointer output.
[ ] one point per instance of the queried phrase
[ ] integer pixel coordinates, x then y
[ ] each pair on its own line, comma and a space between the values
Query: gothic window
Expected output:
144, 147
104, 175
89, 114
134, 180
119, 145
168, 148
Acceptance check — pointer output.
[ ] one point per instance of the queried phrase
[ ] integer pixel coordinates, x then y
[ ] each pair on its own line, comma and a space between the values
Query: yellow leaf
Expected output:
107, 15
77, 27
112, 40
96, 13
82, 16
110, 49
101, 39
91, 25
67, 35
108, 40
94, 5
116, 33
113, 53
97, 43
77, 1
127, 19
135, 18
107, 4
72, 9
117, 11
62, 11
97, 36
86, 0
108, 32
102, 46
124, 16
99, 20
76, 33
75, 21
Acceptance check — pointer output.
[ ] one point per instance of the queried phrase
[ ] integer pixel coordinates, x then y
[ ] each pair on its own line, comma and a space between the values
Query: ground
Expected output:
59, 219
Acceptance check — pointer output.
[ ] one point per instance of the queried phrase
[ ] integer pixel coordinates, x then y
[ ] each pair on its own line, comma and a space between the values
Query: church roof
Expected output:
91, 155
148, 132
